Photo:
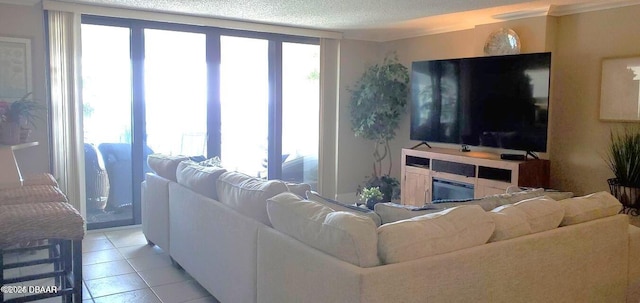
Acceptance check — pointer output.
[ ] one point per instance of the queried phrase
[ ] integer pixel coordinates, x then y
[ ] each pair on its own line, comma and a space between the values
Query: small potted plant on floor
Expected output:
371, 195
623, 158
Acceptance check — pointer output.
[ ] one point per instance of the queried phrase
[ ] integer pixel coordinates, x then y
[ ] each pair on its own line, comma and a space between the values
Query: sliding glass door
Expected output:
175, 78
107, 125
244, 104
250, 98
300, 112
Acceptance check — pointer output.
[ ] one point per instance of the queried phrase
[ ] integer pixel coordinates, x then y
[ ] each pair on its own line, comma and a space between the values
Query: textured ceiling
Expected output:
377, 20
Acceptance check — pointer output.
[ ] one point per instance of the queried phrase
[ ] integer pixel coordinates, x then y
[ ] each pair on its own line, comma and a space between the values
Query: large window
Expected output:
244, 104
250, 98
175, 92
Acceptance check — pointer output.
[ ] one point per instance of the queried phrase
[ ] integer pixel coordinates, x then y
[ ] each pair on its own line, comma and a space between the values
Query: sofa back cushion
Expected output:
201, 179
344, 235
433, 234
543, 213
248, 195
299, 189
339, 206
164, 165
590, 207
392, 212
511, 222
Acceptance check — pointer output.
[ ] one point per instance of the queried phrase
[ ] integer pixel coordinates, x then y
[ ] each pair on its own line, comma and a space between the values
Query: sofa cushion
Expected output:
164, 165
339, 206
490, 202
542, 213
299, 189
590, 207
487, 203
432, 234
511, 222
392, 212
344, 235
201, 179
248, 195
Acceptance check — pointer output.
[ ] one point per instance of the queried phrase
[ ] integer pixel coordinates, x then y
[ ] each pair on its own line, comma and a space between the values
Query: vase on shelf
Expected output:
10, 133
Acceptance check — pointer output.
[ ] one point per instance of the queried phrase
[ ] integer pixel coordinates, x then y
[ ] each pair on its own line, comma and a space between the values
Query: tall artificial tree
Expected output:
378, 101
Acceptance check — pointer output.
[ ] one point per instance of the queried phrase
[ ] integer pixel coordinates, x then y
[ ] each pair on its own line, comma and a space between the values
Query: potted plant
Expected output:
17, 118
378, 101
371, 195
623, 158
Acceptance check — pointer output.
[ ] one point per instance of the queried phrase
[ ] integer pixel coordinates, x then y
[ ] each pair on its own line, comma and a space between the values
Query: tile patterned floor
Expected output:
119, 266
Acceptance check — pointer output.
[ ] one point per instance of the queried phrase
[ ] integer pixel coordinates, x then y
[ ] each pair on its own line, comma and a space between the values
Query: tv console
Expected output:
487, 173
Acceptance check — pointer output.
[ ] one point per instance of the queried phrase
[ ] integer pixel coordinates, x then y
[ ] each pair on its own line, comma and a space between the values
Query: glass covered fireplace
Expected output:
451, 190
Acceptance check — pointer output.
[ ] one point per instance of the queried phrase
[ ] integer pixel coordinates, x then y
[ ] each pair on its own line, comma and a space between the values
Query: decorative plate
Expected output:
503, 41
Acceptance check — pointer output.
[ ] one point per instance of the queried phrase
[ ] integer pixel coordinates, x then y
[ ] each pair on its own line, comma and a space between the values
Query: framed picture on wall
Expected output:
620, 89
15, 68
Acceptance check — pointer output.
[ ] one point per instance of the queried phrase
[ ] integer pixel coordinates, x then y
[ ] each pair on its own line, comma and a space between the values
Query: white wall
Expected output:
354, 154
21, 21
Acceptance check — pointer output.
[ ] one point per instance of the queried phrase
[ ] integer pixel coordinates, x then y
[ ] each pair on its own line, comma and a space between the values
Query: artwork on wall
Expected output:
15, 68
620, 89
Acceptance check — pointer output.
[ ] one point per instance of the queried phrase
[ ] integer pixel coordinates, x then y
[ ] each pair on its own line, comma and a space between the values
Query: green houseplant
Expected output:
17, 119
371, 195
623, 158
378, 101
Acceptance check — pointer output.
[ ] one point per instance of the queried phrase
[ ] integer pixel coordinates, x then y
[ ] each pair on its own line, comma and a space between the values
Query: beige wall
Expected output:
354, 155
20, 21
580, 138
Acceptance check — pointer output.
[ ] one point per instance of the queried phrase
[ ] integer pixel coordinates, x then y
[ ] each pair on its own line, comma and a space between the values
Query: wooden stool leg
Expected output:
77, 271
1, 273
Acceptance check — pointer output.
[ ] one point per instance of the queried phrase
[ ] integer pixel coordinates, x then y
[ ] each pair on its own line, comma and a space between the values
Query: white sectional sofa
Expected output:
218, 226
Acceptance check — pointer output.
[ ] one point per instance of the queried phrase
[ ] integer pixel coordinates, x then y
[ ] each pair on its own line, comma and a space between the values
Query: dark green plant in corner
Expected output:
378, 101
623, 157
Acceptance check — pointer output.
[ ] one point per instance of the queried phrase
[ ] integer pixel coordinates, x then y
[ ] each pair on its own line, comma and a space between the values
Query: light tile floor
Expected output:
119, 266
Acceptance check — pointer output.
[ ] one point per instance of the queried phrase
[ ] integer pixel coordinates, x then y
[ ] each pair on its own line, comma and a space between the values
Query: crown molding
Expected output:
406, 34
20, 2
564, 10
537, 12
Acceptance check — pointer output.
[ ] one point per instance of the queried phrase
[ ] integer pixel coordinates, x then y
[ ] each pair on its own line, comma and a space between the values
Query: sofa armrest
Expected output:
290, 271
155, 210
633, 292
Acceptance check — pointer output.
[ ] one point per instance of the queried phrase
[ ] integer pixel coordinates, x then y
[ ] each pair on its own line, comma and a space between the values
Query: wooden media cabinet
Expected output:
484, 172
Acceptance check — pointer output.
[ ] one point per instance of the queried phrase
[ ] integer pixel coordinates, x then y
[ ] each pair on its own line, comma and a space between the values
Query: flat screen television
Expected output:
496, 101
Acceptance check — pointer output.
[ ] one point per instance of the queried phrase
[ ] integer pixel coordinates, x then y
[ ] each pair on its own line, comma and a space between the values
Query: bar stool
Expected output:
63, 229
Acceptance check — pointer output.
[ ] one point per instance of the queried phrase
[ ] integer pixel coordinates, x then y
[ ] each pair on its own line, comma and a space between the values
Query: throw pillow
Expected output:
346, 236
248, 195
590, 207
392, 212
164, 165
542, 213
433, 234
511, 222
200, 179
339, 206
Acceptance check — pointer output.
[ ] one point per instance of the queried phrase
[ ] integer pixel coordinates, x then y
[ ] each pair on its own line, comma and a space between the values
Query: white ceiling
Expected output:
376, 20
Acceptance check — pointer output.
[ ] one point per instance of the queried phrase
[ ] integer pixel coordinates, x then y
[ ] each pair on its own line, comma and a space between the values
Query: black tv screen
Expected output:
497, 101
